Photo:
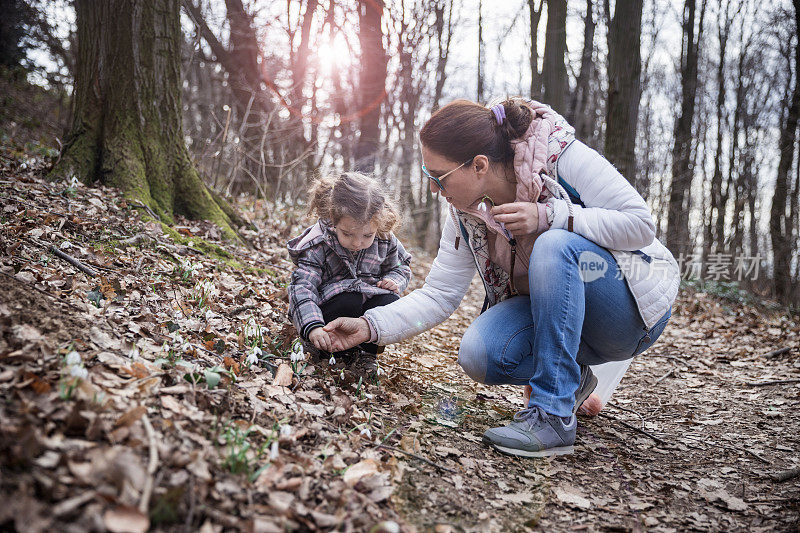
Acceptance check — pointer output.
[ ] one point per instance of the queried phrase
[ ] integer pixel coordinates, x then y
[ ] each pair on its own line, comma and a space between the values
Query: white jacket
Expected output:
615, 217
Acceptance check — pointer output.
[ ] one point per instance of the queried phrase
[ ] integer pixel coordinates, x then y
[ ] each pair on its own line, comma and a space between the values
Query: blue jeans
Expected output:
576, 313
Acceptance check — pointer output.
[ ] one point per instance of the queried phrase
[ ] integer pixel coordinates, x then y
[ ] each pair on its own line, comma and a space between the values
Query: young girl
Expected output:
349, 261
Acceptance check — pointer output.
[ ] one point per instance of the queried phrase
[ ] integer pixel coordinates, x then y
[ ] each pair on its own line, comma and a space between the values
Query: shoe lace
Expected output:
532, 415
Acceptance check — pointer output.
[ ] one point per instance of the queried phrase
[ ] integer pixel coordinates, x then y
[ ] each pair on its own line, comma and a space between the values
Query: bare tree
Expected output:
781, 222
624, 86
372, 87
554, 71
578, 113
536, 76
714, 235
682, 173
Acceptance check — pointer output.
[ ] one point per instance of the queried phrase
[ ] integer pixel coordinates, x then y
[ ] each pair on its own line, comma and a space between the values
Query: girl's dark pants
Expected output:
352, 304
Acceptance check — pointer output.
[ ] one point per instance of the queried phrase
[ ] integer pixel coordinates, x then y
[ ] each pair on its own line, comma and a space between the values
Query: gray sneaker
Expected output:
586, 386
534, 433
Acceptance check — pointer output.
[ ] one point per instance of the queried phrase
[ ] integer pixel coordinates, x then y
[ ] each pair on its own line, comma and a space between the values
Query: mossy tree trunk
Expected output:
126, 129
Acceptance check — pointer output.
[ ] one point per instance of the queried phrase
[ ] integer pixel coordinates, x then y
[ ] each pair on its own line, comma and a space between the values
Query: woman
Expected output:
567, 252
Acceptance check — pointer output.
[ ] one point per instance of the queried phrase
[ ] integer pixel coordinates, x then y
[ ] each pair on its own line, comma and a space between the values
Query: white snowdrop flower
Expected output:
366, 432
252, 358
251, 329
73, 358
78, 372
191, 268
390, 526
134, 353
73, 182
257, 351
341, 374
209, 314
273, 451
286, 430
332, 360
297, 355
165, 347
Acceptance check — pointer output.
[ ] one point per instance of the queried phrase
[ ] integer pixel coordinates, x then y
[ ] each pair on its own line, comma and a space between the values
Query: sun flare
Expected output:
333, 53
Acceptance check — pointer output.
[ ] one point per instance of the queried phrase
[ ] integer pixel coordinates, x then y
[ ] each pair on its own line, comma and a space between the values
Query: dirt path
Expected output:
709, 437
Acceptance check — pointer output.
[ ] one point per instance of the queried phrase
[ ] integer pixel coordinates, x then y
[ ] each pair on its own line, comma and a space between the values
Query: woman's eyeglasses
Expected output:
438, 180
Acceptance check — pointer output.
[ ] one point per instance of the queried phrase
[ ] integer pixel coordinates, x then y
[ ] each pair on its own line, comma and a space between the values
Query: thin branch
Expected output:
152, 465
771, 382
74, 262
419, 457
634, 428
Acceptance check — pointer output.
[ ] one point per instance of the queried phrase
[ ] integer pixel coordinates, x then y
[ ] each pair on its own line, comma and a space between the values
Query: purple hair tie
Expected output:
499, 113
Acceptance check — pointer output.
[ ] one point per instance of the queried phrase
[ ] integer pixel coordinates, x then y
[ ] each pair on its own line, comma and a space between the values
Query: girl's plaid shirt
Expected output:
325, 268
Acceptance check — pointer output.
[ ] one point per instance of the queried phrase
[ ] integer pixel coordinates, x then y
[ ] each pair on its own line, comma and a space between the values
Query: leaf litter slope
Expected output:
193, 435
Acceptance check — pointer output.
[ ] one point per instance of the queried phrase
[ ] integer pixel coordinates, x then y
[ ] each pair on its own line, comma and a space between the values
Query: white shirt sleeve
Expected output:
615, 216
445, 286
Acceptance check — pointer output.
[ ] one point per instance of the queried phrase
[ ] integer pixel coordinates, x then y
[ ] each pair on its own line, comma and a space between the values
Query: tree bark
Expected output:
536, 75
372, 82
682, 173
577, 113
624, 86
127, 130
781, 228
554, 72
718, 200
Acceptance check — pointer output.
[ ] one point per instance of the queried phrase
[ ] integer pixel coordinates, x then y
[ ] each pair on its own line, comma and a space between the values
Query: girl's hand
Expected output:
519, 218
347, 332
389, 285
321, 339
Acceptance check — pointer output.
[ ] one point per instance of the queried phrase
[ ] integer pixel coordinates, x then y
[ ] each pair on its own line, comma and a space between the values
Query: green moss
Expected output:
211, 250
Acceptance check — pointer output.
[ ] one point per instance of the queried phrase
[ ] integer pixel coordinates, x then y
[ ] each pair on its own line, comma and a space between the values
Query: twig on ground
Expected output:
779, 351
634, 428
615, 406
728, 447
136, 239
786, 475
240, 309
419, 457
771, 382
74, 262
665, 376
146, 208
673, 357
152, 465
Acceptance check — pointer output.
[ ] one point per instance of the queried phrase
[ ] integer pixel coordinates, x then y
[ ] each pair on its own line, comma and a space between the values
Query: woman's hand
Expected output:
389, 285
347, 332
519, 218
320, 339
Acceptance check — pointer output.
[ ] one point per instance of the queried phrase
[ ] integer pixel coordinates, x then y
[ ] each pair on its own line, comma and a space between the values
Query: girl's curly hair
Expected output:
355, 195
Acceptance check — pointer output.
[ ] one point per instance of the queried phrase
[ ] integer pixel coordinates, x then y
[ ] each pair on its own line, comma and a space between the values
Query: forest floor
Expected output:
157, 420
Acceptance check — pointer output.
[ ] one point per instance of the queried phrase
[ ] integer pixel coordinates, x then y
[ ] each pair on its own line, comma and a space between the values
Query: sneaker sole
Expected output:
560, 450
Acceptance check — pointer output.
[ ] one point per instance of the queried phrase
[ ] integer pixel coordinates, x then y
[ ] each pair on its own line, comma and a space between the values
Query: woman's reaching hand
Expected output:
346, 332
